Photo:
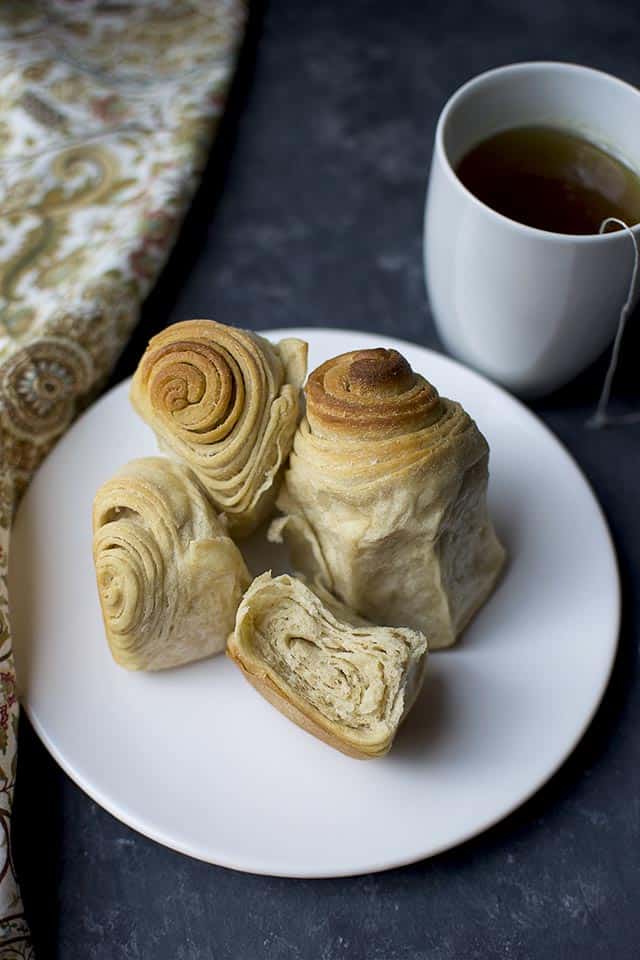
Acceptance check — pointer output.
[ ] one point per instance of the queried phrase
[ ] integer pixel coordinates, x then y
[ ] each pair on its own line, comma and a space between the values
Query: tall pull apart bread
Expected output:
384, 499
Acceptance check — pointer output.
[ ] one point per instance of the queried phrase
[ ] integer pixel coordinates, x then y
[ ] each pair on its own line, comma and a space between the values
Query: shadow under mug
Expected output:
528, 307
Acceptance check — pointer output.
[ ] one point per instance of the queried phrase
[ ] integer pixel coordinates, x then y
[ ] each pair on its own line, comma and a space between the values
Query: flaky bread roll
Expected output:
226, 403
385, 497
169, 577
343, 680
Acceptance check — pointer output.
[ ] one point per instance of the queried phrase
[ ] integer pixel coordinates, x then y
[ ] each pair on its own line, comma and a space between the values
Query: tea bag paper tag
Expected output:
601, 418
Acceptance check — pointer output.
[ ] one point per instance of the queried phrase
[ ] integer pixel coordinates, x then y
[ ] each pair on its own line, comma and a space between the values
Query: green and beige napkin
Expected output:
107, 110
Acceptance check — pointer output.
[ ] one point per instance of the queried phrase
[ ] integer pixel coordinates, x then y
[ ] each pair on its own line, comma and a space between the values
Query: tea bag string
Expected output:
601, 418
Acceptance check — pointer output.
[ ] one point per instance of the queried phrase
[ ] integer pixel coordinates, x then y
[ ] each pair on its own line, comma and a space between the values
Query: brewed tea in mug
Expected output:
551, 179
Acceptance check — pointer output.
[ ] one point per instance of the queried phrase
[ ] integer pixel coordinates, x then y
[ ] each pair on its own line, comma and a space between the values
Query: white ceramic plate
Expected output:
196, 759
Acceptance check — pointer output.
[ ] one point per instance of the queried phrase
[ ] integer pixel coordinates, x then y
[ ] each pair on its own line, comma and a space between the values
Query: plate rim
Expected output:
262, 869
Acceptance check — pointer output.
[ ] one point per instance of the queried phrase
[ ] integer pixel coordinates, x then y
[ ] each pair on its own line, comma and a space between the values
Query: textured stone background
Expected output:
311, 214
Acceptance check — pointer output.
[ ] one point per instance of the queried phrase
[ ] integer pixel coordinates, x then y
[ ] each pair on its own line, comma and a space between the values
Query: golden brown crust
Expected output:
191, 381
226, 402
380, 371
369, 393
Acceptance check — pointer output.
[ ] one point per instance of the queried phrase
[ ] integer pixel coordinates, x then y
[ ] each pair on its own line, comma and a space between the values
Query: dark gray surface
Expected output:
311, 214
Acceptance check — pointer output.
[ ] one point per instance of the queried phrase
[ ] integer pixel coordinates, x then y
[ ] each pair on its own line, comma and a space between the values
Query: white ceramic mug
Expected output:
528, 307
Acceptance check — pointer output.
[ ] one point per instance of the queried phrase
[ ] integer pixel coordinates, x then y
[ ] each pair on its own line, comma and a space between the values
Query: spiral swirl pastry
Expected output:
343, 680
226, 403
385, 497
369, 394
169, 577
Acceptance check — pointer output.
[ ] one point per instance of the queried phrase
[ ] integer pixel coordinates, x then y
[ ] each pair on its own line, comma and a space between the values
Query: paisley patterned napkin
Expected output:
106, 114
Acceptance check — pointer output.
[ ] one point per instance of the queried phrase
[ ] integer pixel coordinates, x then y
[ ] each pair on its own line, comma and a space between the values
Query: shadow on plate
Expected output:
429, 722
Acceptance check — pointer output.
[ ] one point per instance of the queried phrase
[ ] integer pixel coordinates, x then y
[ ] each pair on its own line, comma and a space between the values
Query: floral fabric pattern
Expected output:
107, 111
